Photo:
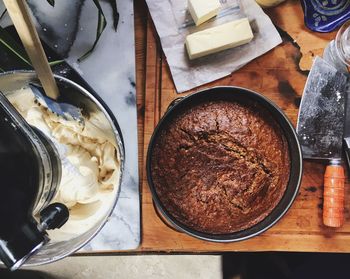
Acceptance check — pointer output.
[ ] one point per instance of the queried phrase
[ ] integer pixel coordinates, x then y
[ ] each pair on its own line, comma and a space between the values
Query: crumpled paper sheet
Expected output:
173, 24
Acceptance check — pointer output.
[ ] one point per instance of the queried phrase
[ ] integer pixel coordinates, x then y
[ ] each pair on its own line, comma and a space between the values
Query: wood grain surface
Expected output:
280, 75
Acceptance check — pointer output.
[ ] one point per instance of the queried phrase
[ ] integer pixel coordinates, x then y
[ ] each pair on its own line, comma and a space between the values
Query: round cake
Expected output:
220, 167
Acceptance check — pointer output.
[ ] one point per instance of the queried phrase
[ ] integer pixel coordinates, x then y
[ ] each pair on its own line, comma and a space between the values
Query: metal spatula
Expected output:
21, 19
64, 110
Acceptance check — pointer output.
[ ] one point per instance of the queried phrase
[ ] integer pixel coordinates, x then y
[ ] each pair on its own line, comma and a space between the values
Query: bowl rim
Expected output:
296, 158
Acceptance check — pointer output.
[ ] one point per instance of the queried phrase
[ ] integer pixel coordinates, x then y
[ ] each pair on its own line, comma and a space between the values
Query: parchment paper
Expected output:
173, 24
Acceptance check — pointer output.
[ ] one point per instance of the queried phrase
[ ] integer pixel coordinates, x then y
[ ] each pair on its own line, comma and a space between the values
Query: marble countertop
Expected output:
110, 71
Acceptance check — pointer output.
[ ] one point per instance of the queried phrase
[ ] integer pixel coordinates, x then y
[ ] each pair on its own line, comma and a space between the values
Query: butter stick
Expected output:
203, 10
219, 38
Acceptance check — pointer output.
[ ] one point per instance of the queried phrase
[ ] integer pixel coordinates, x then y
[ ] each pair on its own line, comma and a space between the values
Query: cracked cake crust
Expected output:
220, 167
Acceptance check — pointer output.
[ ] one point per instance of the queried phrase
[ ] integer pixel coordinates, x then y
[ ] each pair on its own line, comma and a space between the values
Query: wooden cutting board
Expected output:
279, 75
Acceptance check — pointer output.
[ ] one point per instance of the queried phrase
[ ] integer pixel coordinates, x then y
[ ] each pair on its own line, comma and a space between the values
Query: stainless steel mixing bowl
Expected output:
78, 96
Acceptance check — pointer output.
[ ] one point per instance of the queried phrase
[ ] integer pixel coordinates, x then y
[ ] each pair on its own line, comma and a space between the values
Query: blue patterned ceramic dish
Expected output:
325, 15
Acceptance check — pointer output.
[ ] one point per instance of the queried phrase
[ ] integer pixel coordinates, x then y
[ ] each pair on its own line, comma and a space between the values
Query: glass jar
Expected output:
342, 43
269, 3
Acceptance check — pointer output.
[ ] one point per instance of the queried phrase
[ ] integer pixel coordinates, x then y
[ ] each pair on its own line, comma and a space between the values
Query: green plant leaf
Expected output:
101, 25
113, 4
51, 2
3, 13
12, 46
54, 63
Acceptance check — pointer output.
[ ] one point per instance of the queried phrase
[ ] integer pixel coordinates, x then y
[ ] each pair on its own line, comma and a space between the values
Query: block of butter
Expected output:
218, 38
203, 10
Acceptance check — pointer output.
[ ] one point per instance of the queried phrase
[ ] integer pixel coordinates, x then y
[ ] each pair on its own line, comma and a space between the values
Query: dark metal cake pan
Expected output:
234, 94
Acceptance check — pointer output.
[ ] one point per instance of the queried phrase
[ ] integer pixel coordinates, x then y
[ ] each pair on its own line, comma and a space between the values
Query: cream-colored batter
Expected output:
90, 163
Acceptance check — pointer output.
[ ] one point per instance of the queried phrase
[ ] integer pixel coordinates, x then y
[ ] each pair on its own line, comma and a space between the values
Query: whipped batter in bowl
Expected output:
91, 155
90, 162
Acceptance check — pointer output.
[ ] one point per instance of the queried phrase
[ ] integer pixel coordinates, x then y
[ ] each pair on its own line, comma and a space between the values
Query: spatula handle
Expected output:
333, 196
24, 25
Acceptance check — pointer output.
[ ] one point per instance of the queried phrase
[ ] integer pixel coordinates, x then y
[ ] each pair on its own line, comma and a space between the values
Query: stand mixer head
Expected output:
30, 173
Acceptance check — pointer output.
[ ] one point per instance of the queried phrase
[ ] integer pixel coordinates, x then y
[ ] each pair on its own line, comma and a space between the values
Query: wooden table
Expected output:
280, 75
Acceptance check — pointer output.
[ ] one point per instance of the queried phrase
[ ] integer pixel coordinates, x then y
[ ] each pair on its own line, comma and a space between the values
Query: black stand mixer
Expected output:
30, 173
